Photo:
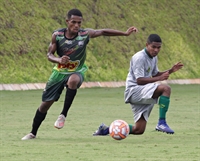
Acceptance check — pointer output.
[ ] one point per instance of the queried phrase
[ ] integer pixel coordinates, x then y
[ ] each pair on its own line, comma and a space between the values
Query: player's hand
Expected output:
176, 67
131, 29
64, 59
164, 76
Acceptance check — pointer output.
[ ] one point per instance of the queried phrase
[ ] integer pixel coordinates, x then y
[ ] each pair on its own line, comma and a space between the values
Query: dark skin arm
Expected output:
51, 50
111, 32
92, 33
160, 76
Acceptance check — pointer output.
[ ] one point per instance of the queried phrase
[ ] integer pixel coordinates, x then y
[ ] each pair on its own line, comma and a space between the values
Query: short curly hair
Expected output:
153, 38
75, 12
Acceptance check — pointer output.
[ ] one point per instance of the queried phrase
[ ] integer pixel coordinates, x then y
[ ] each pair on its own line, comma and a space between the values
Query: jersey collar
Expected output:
148, 53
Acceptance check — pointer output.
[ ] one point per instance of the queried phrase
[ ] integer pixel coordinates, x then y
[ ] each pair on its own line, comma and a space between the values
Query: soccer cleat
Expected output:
29, 136
163, 127
60, 122
102, 130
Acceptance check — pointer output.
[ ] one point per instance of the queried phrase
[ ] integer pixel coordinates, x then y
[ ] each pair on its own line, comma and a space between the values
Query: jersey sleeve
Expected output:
137, 67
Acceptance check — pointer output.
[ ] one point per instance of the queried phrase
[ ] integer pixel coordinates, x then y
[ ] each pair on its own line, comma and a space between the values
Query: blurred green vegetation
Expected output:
26, 28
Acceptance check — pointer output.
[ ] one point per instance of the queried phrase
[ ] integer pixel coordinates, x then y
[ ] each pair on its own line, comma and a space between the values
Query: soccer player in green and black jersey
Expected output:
70, 45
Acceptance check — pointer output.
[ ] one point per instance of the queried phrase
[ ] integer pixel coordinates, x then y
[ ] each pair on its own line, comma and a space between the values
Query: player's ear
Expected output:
66, 20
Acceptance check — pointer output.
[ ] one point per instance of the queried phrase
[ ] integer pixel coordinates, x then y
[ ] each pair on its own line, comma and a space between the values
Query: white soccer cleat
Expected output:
29, 136
60, 122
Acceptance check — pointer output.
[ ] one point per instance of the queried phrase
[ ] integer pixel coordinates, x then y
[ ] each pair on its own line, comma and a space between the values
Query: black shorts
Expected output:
56, 84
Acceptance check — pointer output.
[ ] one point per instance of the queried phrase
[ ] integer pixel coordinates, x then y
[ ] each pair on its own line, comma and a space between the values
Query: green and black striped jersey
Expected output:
74, 48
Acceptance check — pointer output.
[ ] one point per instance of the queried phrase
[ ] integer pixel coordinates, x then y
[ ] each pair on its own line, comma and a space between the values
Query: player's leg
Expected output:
72, 85
51, 93
163, 92
139, 126
141, 114
73, 82
37, 120
40, 116
137, 129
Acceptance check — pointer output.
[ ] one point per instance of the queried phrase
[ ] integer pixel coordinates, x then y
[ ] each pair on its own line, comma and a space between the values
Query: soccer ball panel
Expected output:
119, 129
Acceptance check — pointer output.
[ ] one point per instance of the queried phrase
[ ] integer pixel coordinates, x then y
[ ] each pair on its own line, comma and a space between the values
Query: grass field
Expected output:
91, 107
176, 21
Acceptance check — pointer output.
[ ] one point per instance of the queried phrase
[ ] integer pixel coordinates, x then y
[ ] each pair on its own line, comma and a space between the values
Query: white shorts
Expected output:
140, 98
140, 93
141, 109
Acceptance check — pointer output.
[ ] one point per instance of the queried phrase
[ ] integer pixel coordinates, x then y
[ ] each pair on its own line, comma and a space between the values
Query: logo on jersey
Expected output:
68, 51
148, 70
68, 41
70, 66
80, 43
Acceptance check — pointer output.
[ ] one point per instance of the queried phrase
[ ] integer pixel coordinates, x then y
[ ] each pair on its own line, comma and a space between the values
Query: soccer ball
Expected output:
119, 129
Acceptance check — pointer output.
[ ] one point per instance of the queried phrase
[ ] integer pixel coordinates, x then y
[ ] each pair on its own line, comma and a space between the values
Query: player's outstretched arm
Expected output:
111, 32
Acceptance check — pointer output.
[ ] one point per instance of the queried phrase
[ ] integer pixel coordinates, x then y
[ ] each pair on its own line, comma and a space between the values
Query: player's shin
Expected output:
39, 117
162, 124
69, 97
163, 106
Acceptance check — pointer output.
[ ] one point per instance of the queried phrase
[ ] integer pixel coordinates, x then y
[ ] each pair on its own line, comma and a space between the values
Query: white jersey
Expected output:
141, 65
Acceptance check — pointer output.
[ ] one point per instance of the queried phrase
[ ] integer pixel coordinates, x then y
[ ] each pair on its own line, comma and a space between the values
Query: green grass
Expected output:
26, 28
91, 107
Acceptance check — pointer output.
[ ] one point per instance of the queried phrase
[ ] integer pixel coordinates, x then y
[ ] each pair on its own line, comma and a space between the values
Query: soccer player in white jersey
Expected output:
142, 91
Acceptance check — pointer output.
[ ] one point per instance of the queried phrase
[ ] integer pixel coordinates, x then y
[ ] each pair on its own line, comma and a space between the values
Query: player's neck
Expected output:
70, 35
148, 53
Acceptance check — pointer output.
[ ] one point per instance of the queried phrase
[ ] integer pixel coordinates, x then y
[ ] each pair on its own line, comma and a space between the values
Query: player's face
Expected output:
74, 24
153, 48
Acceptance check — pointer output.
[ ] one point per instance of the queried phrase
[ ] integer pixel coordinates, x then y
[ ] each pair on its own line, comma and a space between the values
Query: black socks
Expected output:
69, 97
39, 117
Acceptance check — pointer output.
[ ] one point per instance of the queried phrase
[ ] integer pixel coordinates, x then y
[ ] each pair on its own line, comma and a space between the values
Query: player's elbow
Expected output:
49, 56
138, 132
140, 82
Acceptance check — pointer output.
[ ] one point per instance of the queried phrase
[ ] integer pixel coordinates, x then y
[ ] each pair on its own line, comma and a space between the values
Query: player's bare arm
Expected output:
111, 32
174, 68
51, 50
145, 80
160, 76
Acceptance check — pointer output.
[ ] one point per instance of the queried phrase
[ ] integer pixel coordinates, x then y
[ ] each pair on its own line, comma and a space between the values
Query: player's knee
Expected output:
167, 89
138, 131
162, 90
44, 107
73, 81
140, 126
